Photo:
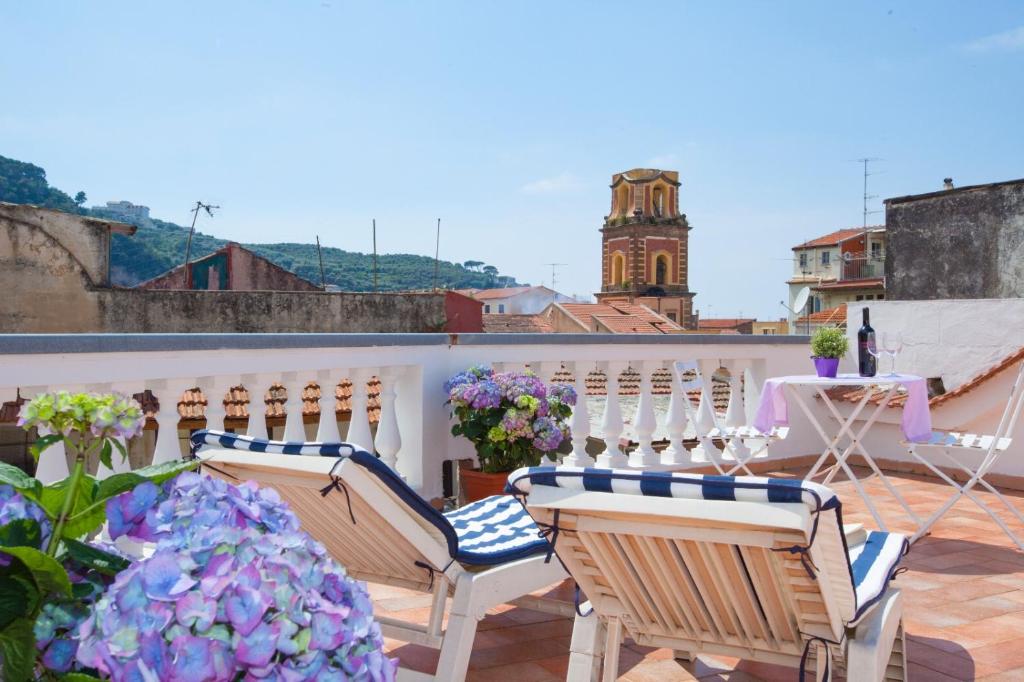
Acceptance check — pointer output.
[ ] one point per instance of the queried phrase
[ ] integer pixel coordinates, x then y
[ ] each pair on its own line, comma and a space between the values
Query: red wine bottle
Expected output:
867, 363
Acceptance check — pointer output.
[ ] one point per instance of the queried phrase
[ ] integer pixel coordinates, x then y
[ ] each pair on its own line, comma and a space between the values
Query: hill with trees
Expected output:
158, 246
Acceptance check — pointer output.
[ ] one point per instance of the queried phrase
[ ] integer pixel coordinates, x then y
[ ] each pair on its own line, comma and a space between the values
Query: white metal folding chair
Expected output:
953, 445
740, 443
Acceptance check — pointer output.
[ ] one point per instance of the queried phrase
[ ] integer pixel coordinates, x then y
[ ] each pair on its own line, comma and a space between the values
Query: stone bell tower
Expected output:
644, 244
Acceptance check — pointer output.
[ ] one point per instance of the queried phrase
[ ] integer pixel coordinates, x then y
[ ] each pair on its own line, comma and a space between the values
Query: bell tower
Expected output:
644, 244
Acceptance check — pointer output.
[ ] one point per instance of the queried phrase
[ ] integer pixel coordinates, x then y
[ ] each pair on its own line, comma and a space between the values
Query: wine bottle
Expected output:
867, 362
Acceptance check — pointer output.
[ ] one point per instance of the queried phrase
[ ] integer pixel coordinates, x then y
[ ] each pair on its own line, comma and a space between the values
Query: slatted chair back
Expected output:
749, 567
351, 510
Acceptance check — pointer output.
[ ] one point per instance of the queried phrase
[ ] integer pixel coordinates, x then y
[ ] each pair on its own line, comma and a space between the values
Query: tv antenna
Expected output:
867, 197
554, 273
437, 253
200, 206
375, 255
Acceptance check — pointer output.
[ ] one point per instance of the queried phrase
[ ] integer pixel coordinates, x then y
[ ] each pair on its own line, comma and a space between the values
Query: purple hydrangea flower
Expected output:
16, 507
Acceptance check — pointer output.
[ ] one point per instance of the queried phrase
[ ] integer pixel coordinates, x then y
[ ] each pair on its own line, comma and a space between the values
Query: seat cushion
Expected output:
236, 441
495, 530
873, 564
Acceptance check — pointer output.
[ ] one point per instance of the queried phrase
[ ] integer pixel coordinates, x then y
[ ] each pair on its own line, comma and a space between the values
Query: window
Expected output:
860, 297
826, 258
881, 296
487, 307
671, 316
661, 270
618, 267
876, 250
768, 332
501, 308
803, 261
659, 202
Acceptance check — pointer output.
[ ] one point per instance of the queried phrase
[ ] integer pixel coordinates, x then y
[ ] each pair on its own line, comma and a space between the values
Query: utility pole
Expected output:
320, 255
188, 245
437, 252
375, 255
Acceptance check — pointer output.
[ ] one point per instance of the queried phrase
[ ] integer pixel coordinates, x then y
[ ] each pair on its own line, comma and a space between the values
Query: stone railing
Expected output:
412, 432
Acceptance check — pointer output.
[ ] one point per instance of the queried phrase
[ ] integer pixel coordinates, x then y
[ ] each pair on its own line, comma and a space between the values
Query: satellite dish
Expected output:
801, 299
847, 256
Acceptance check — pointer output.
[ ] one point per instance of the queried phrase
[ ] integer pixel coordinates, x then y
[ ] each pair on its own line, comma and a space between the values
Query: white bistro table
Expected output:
916, 422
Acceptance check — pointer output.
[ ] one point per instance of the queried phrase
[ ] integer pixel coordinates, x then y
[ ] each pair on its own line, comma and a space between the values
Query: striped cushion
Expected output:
494, 530
871, 564
234, 441
672, 484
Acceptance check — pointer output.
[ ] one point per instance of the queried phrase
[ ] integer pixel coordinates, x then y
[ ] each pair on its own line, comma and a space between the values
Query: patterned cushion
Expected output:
872, 564
492, 531
671, 484
495, 530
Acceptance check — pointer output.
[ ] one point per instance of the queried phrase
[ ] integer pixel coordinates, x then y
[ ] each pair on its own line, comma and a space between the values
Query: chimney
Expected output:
947, 183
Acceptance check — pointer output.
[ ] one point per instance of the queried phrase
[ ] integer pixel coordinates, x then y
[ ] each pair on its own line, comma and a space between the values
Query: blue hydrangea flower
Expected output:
16, 507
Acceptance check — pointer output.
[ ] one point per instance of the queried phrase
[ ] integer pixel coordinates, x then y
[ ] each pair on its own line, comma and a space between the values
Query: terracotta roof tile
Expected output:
485, 294
835, 315
517, 324
587, 312
833, 238
723, 322
866, 283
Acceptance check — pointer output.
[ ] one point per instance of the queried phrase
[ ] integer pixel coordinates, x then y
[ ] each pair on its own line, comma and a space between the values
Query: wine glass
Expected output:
892, 344
874, 350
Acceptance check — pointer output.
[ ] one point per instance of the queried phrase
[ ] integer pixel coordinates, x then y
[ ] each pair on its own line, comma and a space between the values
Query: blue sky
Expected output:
507, 120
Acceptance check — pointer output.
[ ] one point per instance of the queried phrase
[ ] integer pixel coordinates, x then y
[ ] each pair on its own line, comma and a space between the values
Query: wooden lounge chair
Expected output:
748, 567
377, 527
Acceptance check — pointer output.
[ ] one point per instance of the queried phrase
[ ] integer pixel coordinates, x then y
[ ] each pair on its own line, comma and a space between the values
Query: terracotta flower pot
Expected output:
826, 367
476, 484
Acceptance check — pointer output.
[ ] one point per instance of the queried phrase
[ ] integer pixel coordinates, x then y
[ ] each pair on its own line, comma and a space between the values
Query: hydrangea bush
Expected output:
513, 419
234, 589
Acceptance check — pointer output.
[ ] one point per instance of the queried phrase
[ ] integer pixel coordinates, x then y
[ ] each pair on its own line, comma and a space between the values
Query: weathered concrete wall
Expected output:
232, 267
48, 285
964, 243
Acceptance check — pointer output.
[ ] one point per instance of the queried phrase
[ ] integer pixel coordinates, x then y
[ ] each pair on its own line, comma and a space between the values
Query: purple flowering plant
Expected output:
49, 575
513, 419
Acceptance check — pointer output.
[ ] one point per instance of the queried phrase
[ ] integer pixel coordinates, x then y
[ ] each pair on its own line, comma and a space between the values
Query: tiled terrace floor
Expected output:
964, 608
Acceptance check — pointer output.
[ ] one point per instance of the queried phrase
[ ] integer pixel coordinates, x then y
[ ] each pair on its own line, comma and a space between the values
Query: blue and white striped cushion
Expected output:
491, 531
235, 441
495, 530
672, 484
872, 564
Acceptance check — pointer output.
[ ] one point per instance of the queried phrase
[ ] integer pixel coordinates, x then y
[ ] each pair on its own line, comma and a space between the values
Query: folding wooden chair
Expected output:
750, 567
740, 443
488, 553
955, 446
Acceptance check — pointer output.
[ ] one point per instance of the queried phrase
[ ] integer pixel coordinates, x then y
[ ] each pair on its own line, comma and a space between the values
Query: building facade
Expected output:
841, 267
644, 245
230, 268
517, 300
958, 243
126, 210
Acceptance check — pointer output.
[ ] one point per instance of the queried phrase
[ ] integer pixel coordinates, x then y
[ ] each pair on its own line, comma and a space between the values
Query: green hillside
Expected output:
158, 246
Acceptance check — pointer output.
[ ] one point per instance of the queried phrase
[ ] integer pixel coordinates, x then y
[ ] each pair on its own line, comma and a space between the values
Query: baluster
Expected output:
389, 440
735, 414
706, 420
753, 381
644, 422
214, 390
168, 445
580, 421
294, 429
676, 453
256, 387
327, 429
612, 425
359, 432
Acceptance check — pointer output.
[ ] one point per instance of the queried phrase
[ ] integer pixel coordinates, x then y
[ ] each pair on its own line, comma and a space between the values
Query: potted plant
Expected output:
828, 346
513, 420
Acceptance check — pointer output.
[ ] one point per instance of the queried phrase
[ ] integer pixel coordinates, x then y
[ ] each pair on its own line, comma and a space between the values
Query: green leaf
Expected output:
78, 677
120, 448
84, 517
104, 562
17, 599
44, 442
19, 480
121, 483
48, 575
17, 651
158, 473
21, 533
105, 454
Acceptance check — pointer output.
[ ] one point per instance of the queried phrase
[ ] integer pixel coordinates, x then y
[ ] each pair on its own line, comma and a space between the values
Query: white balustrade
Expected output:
214, 390
359, 420
168, 446
676, 454
389, 439
580, 421
327, 429
644, 422
735, 414
256, 386
612, 425
294, 427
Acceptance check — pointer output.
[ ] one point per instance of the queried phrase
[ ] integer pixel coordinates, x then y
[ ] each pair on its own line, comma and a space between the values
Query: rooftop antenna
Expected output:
867, 197
375, 254
437, 252
320, 255
188, 245
554, 273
